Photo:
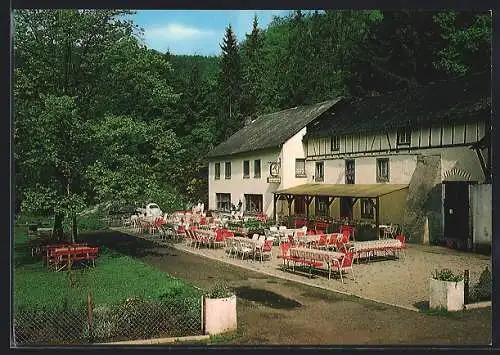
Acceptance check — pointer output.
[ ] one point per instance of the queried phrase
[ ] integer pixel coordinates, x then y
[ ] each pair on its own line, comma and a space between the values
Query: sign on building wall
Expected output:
274, 172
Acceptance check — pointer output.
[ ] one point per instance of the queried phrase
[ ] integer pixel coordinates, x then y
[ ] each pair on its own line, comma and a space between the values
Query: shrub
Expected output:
220, 290
365, 232
447, 275
91, 222
483, 288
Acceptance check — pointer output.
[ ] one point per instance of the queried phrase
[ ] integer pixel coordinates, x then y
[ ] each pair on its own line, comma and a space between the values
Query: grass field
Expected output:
114, 279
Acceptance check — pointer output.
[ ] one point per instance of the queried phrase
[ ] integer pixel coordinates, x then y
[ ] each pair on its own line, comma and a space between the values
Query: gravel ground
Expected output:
279, 310
403, 282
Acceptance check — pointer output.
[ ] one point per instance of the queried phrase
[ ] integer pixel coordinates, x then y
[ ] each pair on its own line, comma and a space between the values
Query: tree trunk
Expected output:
74, 233
58, 226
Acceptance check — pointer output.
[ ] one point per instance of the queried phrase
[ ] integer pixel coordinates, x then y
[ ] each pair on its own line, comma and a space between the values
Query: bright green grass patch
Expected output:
114, 279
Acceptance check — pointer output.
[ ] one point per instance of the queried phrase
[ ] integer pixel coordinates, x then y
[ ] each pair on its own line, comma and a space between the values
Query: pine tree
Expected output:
252, 58
297, 83
229, 86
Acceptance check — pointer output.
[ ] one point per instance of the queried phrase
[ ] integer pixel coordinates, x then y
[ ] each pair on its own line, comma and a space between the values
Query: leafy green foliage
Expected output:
229, 87
482, 290
219, 290
466, 42
252, 62
91, 222
447, 275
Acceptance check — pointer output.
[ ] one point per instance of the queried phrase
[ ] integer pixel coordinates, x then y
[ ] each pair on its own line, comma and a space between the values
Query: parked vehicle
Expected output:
151, 210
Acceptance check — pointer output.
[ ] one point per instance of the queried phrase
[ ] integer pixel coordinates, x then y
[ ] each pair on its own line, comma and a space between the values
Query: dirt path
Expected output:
275, 311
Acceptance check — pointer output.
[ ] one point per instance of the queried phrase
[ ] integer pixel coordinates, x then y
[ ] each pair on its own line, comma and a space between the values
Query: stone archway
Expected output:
456, 174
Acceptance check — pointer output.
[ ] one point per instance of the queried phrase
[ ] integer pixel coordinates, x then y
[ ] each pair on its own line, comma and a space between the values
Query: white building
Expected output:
259, 159
411, 157
427, 145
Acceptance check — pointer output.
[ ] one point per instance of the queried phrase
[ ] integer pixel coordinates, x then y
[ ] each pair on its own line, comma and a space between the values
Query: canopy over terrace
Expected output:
356, 191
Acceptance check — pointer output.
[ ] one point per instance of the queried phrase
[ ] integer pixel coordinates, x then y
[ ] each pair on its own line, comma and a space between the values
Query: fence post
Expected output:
70, 283
89, 312
466, 287
203, 314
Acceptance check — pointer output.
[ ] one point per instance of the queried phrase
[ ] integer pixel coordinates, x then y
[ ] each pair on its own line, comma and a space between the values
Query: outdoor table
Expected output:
316, 254
372, 246
308, 239
64, 256
311, 256
206, 233
252, 243
284, 233
288, 231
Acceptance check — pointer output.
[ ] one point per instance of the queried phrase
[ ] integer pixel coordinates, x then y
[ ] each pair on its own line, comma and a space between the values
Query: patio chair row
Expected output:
316, 259
249, 247
199, 237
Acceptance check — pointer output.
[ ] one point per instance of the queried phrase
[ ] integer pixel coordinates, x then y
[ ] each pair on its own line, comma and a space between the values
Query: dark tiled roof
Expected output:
271, 130
464, 99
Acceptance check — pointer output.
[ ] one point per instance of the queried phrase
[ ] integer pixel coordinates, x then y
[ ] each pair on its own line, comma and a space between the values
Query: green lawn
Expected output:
114, 279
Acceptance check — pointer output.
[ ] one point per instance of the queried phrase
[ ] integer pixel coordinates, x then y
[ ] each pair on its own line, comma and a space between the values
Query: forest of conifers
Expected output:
98, 117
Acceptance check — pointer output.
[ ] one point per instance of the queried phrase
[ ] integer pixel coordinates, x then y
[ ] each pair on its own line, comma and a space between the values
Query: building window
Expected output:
253, 203
246, 169
300, 168
334, 143
256, 169
404, 136
366, 208
320, 172
223, 202
299, 205
217, 171
321, 206
227, 170
350, 170
383, 170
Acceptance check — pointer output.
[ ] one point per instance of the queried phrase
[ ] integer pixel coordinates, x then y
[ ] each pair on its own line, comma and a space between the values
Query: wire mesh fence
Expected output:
131, 320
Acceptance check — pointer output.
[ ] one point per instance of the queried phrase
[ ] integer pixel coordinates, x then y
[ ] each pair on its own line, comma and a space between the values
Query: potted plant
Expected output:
446, 290
219, 310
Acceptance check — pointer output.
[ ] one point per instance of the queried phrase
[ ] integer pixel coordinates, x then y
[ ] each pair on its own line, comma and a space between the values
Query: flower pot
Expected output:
219, 315
446, 294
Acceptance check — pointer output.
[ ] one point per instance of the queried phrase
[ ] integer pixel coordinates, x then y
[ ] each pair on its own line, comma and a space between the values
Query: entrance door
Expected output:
456, 213
346, 207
